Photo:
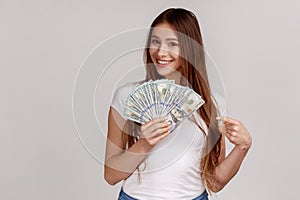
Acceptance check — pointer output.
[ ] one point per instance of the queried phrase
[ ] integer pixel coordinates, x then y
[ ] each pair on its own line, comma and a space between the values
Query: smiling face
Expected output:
164, 51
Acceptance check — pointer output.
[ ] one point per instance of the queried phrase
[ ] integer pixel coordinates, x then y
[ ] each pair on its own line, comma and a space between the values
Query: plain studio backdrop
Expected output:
255, 45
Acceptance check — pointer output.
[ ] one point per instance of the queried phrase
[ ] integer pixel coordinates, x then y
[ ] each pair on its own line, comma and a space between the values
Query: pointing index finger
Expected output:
220, 118
228, 120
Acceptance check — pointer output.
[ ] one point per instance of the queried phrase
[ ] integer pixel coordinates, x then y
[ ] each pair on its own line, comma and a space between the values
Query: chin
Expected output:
168, 72
164, 73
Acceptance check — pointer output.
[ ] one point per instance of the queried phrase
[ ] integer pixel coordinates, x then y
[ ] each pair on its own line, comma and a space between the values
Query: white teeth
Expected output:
163, 62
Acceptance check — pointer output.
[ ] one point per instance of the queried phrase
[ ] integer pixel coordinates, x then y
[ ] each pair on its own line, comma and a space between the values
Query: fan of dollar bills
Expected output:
161, 98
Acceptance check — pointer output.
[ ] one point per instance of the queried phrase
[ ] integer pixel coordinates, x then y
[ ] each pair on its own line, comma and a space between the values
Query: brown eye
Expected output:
172, 44
154, 41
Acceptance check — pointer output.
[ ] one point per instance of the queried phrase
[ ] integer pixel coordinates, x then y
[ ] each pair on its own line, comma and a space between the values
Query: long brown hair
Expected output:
194, 74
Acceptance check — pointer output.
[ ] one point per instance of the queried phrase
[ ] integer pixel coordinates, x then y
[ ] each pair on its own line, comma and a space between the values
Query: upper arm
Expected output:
115, 143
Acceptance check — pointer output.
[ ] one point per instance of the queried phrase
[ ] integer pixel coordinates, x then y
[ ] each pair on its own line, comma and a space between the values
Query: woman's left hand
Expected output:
236, 132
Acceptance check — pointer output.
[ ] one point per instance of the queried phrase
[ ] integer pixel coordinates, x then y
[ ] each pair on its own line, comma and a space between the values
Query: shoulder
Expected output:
124, 90
121, 94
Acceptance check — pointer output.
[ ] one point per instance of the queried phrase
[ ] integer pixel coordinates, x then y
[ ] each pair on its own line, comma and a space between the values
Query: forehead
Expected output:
164, 31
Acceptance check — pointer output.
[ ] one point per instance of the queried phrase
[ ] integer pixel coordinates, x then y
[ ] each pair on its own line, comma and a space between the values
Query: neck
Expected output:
176, 76
176, 79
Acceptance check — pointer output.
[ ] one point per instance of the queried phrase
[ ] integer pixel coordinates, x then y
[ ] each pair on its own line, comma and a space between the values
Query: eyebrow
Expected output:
166, 39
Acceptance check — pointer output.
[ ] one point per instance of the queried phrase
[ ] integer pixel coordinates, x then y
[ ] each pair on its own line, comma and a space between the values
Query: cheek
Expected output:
174, 51
175, 54
152, 51
177, 61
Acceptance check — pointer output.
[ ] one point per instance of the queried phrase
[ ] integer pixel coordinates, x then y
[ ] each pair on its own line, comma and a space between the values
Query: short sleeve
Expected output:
120, 96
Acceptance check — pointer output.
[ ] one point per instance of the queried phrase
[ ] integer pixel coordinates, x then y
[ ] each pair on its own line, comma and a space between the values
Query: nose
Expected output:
162, 51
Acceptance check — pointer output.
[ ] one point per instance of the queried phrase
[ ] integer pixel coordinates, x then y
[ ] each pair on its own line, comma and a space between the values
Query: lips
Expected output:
163, 63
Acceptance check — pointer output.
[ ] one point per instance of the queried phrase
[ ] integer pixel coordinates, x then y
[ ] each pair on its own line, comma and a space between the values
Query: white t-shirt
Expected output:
172, 169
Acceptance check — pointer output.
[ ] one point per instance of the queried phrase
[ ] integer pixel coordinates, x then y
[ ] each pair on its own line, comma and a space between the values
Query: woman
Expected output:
136, 154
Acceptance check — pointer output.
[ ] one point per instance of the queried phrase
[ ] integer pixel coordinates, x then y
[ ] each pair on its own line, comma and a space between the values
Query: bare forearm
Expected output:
227, 169
121, 166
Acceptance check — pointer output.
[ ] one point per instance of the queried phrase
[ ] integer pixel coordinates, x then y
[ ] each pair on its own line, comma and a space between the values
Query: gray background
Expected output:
255, 45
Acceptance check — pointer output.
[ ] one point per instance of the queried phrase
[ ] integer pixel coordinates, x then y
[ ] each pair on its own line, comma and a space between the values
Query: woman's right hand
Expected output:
154, 131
